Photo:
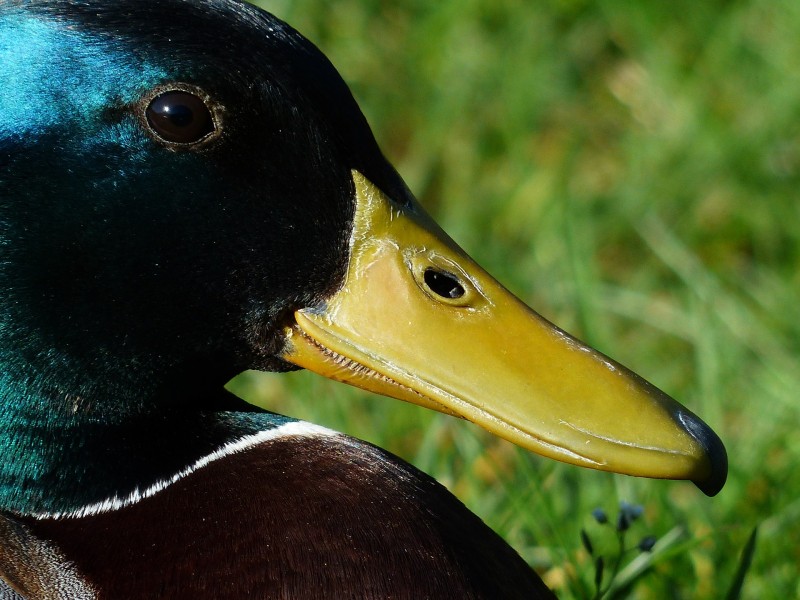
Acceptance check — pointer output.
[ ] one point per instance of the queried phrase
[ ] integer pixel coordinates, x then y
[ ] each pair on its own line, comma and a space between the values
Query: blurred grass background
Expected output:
632, 171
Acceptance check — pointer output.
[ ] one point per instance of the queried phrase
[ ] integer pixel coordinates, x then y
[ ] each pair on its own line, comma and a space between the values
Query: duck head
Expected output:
188, 190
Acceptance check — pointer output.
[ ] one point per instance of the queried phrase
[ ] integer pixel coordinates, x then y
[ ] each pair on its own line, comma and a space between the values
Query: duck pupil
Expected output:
179, 117
443, 284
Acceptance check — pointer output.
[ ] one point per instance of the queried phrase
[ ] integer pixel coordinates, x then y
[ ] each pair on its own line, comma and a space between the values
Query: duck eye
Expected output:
443, 284
179, 117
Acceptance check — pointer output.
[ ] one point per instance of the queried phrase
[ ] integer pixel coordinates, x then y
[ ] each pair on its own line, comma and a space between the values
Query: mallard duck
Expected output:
189, 190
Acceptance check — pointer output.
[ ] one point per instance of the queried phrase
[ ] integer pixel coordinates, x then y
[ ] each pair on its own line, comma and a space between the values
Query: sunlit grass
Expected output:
632, 171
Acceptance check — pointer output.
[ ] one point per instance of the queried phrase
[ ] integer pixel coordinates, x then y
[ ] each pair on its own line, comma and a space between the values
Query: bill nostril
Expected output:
443, 284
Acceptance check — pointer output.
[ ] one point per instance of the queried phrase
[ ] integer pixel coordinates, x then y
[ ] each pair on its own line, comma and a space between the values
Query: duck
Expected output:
188, 190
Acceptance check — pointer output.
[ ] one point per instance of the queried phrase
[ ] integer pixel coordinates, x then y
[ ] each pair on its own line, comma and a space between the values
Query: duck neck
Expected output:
62, 454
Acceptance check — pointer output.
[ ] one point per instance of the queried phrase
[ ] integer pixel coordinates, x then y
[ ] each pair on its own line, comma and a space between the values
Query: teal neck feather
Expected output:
59, 456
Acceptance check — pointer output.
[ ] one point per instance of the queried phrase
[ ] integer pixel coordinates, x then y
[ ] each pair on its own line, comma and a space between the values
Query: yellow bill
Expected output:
418, 320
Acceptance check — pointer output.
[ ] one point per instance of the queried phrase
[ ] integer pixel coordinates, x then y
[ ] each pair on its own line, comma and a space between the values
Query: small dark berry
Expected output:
632, 511
600, 516
647, 543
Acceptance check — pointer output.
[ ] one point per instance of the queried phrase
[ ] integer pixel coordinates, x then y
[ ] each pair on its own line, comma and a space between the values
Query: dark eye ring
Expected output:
180, 117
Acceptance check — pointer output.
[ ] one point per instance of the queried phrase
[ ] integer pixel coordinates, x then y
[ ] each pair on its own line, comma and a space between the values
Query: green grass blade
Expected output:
735, 591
